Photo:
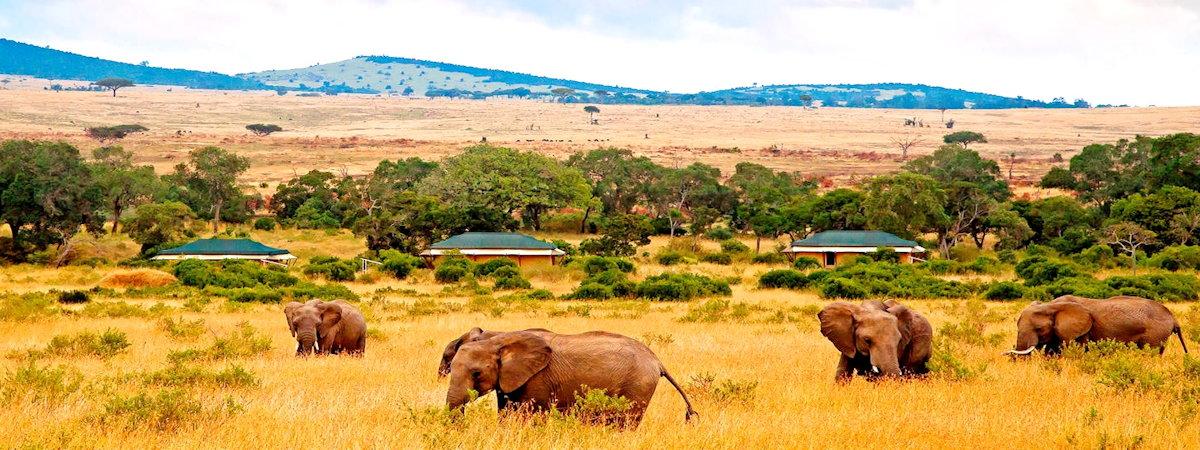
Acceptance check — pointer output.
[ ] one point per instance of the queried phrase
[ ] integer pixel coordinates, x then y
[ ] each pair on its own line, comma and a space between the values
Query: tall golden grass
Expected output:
391, 398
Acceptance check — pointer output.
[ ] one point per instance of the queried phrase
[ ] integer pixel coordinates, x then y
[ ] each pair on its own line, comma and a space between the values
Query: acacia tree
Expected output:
906, 143
905, 204
1129, 237
212, 173
263, 129
113, 83
592, 110
122, 184
46, 195
562, 93
964, 138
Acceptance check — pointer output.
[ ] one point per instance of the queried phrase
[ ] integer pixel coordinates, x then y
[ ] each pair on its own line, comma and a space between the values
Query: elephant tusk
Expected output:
875, 369
1021, 352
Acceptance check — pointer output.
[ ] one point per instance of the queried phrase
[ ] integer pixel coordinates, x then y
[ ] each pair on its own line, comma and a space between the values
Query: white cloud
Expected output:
1110, 51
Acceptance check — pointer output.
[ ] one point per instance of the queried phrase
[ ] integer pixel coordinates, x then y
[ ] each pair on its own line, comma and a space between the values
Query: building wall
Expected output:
522, 261
845, 257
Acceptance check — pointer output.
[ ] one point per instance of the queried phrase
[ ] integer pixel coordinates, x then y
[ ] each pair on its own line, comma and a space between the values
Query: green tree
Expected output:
964, 138
620, 235
210, 178
113, 84
592, 111
46, 195
562, 93
1161, 211
262, 129
619, 180
1130, 237
507, 180
839, 209
905, 204
122, 183
679, 191
155, 224
762, 194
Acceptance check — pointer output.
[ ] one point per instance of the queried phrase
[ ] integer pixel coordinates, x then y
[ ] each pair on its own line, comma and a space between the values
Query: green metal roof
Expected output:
493, 240
854, 238
224, 247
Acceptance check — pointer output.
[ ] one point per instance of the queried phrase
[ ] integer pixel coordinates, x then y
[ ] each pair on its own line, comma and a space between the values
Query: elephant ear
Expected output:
1071, 320
289, 311
521, 356
331, 314
837, 325
452, 349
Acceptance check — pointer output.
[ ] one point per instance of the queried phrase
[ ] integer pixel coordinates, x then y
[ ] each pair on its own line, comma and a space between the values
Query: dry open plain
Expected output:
754, 363
352, 132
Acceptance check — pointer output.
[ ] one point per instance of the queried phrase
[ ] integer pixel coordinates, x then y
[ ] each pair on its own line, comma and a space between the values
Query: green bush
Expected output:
397, 263
1183, 257
783, 279
734, 246
234, 273
592, 265
486, 268
680, 286
1041, 270
592, 291
719, 234
723, 259
508, 277
452, 269
1098, 255
73, 297
768, 258
332, 268
86, 343
243, 342
1004, 290
806, 262
565, 246
540, 294
264, 224
838, 287
1159, 286
670, 258
1007, 256
1083, 286
941, 266
40, 384
884, 254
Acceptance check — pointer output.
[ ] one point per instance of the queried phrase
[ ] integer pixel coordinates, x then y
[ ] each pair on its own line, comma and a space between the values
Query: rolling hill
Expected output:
414, 77
18, 58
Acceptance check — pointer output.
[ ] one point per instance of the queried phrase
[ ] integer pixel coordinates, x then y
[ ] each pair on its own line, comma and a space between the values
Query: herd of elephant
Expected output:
539, 370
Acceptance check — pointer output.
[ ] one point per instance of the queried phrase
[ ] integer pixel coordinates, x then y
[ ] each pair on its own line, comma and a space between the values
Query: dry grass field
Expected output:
351, 133
760, 374
755, 364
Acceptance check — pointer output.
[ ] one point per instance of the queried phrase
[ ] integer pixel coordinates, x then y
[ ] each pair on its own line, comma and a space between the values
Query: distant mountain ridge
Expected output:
18, 58
378, 74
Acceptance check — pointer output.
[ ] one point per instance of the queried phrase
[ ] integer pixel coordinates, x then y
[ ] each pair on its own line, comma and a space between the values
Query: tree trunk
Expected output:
116, 217
64, 250
1133, 260
757, 242
217, 214
114, 93
583, 223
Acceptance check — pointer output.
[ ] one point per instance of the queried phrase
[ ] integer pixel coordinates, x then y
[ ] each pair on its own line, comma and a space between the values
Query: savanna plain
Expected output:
147, 363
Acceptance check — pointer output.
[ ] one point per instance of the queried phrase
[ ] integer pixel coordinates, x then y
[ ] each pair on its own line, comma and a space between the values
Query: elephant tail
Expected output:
1179, 332
690, 412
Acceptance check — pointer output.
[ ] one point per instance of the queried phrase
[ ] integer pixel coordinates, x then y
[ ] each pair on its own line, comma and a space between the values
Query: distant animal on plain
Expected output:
877, 339
1132, 320
326, 327
539, 371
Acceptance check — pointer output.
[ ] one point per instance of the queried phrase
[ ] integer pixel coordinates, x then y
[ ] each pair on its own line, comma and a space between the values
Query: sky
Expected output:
1139, 52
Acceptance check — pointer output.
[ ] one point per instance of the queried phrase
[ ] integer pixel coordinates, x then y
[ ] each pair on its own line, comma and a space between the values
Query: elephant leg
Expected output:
844, 371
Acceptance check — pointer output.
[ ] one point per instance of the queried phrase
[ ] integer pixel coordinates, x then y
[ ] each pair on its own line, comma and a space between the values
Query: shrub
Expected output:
783, 278
1098, 255
768, 258
596, 264
99, 345
39, 384
264, 224
595, 406
669, 258
1176, 258
182, 329
162, 411
540, 294
982, 265
177, 375
940, 266
1083, 286
73, 297
231, 274
884, 254
398, 264
332, 268
508, 277
243, 342
1041, 270
806, 262
723, 259
452, 270
842, 288
565, 246
719, 234
27, 306
706, 386
1004, 290
1007, 256
592, 291
946, 364
486, 268
680, 286
734, 246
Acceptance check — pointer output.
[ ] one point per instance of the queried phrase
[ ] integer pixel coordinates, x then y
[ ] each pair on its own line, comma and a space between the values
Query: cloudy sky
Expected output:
1107, 51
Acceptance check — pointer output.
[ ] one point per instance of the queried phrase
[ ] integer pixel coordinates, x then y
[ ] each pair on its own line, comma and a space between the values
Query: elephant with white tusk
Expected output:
1134, 320
326, 327
877, 339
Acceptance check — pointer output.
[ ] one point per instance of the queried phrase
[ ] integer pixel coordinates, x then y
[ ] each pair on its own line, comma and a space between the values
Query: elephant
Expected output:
539, 371
1128, 319
471, 336
326, 327
877, 339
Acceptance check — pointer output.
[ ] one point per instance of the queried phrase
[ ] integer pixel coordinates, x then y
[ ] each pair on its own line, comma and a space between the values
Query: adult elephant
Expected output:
471, 336
877, 339
540, 371
1132, 320
326, 327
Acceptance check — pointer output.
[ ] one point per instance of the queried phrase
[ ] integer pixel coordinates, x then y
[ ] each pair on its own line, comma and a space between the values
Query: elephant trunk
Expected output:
885, 361
1026, 342
458, 396
307, 341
